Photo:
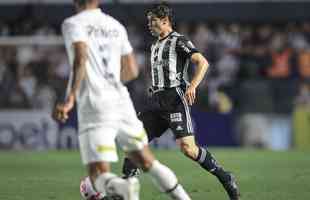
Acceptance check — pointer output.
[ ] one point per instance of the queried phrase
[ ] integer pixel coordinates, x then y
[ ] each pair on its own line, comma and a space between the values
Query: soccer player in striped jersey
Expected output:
173, 94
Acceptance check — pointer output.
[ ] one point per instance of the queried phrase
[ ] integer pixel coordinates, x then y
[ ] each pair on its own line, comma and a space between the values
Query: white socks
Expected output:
167, 182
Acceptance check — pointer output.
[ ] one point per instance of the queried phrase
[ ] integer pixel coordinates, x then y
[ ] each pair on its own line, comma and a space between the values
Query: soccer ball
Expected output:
87, 191
119, 189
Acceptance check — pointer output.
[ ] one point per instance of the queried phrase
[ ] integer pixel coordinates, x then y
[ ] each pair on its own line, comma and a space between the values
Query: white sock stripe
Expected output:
172, 189
187, 113
212, 170
202, 156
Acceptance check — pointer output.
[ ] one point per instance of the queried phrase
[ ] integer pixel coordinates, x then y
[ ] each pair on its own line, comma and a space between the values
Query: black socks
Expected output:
208, 162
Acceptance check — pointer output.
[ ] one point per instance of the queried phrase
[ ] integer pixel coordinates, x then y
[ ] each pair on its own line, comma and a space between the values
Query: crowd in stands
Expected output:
253, 67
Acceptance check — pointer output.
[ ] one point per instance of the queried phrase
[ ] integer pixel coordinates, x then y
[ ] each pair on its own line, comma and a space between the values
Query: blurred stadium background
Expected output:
256, 95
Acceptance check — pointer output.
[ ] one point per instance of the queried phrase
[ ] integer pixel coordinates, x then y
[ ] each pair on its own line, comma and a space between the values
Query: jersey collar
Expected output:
166, 36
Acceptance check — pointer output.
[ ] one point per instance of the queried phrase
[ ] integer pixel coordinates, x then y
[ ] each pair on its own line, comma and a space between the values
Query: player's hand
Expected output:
61, 110
190, 94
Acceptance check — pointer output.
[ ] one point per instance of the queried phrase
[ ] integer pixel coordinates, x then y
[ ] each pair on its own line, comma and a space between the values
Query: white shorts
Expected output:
98, 143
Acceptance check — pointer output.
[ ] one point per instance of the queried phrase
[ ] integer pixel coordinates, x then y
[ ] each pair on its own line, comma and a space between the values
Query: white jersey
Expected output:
101, 91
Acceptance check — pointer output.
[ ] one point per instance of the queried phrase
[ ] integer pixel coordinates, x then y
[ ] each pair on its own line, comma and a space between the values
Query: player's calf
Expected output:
163, 177
167, 181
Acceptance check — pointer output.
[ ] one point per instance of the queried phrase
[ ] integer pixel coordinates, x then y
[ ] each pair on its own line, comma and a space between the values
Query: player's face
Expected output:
155, 25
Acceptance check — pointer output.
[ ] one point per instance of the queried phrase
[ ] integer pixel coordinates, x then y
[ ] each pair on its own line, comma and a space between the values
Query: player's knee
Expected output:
145, 165
187, 150
142, 159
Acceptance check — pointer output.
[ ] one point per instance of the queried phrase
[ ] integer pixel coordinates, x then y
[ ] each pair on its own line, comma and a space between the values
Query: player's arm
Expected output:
62, 110
77, 37
79, 67
185, 48
202, 66
129, 67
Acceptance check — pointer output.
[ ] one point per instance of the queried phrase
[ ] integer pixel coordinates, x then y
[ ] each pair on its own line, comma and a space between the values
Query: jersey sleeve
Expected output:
73, 32
126, 47
185, 47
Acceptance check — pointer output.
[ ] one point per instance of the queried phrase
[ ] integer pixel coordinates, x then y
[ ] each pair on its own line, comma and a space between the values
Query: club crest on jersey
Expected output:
161, 63
176, 117
179, 76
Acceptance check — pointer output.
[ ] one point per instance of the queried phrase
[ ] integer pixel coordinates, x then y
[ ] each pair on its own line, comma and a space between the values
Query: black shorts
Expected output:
168, 109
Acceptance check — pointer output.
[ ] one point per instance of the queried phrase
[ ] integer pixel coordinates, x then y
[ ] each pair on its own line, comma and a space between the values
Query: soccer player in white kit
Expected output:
102, 57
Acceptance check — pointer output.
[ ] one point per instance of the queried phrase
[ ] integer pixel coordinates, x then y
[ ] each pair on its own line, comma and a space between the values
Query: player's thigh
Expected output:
179, 123
97, 144
178, 116
154, 124
131, 135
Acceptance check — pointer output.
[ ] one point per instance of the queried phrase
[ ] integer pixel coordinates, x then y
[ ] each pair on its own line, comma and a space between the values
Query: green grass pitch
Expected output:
262, 175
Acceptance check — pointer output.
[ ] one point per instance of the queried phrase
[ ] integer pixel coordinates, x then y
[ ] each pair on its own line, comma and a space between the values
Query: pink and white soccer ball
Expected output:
87, 191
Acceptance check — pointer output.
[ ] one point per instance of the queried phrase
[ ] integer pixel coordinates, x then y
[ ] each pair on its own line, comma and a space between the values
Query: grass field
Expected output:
263, 175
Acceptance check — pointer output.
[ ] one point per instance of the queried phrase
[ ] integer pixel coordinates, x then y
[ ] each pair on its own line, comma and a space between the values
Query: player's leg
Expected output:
115, 188
208, 162
155, 126
98, 149
134, 141
181, 125
163, 177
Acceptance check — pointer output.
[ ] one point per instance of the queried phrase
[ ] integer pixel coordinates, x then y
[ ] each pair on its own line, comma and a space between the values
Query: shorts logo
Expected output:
104, 149
179, 128
176, 117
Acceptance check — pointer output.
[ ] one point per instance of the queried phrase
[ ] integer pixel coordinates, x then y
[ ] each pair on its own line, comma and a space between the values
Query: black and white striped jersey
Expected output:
170, 59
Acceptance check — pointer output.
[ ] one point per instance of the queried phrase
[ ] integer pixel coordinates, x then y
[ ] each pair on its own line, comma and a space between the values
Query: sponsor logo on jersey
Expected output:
101, 32
161, 63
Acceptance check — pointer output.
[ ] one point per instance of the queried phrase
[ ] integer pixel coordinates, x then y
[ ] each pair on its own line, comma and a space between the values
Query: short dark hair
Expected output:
82, 2
161, 10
